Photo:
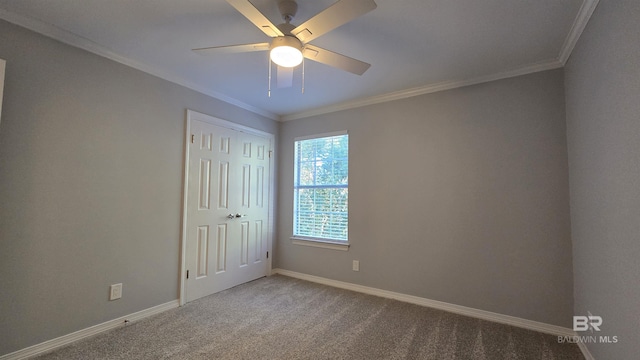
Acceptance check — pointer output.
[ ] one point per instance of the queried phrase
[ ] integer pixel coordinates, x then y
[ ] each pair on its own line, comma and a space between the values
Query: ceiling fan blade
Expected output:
284, 77
335, 15
246, 8
334, 59
231, 49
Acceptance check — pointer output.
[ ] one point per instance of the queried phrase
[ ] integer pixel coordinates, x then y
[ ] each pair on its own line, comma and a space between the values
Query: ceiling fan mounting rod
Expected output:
288, 9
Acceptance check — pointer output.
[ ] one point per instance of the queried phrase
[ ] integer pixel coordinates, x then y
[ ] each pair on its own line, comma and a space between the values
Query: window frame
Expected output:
326, 243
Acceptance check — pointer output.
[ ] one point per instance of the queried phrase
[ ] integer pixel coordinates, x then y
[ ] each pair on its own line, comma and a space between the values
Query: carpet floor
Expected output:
284, 318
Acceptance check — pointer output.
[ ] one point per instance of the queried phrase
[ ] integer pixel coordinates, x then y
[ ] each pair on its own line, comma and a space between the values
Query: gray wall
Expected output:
603, 128
91, 157
458, 196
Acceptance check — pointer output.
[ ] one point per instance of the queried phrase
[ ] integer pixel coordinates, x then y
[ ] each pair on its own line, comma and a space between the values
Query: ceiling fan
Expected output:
290, 43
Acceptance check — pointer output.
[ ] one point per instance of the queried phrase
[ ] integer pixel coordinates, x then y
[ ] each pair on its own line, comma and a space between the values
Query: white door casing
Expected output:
227, 217
2, 67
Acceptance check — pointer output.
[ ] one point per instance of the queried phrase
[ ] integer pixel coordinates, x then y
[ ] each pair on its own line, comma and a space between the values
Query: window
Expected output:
321, 188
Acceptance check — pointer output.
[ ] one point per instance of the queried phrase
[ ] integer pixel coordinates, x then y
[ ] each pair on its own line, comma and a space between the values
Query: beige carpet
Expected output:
284, 318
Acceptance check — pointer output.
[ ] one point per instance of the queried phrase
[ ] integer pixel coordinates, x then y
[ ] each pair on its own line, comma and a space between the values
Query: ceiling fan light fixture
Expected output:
286, 51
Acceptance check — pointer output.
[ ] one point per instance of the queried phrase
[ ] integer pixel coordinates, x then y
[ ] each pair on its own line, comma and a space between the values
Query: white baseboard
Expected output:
457, 309
90, 331
585, 351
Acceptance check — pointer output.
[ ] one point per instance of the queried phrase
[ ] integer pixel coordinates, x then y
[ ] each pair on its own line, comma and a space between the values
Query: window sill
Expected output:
333, 245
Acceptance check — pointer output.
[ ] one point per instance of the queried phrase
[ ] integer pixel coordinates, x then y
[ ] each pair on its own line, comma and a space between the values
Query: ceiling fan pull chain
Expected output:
303, 75
269, 88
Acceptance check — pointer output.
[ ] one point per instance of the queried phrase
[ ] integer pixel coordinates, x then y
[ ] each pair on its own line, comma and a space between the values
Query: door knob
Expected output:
231, 216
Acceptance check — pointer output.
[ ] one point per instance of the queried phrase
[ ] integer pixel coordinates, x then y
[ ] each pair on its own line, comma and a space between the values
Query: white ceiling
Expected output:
413, 46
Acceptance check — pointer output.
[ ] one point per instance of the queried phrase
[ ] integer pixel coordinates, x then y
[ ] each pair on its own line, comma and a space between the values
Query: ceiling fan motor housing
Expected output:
287, 40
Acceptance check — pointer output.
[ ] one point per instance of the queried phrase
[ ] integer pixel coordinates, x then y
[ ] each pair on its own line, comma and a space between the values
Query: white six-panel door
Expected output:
227, 209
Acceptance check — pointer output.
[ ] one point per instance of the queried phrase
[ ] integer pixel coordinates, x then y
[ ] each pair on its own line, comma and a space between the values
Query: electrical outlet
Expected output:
115, 291
356, 265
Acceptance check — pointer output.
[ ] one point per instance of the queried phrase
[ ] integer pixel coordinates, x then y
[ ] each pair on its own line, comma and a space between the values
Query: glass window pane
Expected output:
321, 180
307, 173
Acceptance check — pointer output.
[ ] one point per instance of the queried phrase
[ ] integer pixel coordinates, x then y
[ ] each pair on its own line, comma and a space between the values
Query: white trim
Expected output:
457, 309
272, 203
427, 89
585, 351
185, 190
87, 332
119, 322
2, 67
579, 24
194, 115
320, 243
78, 41
582, 18
320, 136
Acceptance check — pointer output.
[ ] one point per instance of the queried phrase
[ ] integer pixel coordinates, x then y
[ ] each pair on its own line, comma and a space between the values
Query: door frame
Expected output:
2, 67
194, 115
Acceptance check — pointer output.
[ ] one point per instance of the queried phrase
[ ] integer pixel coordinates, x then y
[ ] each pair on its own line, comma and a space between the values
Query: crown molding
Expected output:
579, 24
427, 89
582, 18
75, 40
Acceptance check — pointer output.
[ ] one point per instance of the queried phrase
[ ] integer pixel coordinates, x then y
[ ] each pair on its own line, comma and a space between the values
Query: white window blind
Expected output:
321, 188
